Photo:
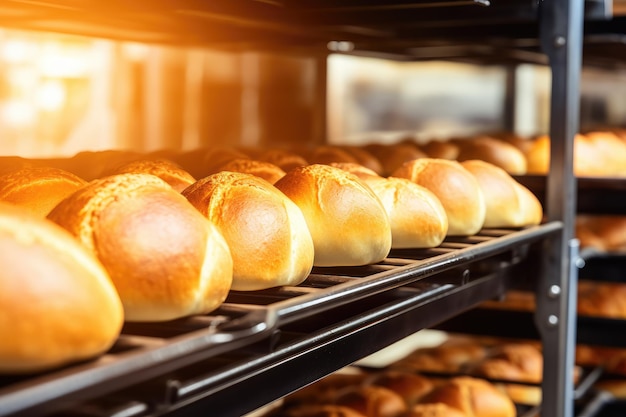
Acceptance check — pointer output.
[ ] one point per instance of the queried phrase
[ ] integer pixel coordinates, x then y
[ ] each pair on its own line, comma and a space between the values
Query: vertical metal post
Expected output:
320, 105
510, 94
561, 37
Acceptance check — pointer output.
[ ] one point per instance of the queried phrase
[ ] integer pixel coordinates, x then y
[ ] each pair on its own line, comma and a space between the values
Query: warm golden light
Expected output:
18, 113
51, 95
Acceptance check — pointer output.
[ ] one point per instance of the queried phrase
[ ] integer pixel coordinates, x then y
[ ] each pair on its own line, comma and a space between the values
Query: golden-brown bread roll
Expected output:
393, 156
522, 394
441, 149
57, 303
602, 299
456, 188
433, 410
13, 163
317, 410
494, 151
475, 397
39, 189
266, 170
508, 203
416, 216
348, 223
596, 154
372, 401
365, 158
327, 154
168, 171
267, 234
284, 159
326, 389
165, 259
513, 362
604, 232
410, 386
215, 157
444, 358
90, 165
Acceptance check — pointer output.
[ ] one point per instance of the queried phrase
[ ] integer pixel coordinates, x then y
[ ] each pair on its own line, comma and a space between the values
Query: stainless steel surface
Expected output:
561, 39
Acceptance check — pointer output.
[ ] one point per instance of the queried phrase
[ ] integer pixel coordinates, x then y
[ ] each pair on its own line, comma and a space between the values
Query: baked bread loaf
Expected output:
317, 410
513, 362
57, 303
165, 259
266, 170
452, 357
596, 154
328, 154
393, 156
348, 223
441, 149
434, 410
494, 151
417, 218
267, 234
372, 401
410, 386
602, 299
603, 232
456, 188
508, 203
168, 171
39, 189
284, 159
365, 158
474, 397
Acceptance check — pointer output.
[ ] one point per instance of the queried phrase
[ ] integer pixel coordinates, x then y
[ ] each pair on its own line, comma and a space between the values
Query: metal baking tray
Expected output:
337, 316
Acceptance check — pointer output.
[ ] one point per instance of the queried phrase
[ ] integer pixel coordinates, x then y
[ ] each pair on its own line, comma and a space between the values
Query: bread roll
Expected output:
38, 190
595, 155
168, 171
90, 165
268, 237
508, 203
372, 401
215, 157
456, 188
57, 303
441, 150
393, 156
443, 358
165, 259
266, 170
13, 163
417, 218
365, 158
410, 386
318, 410
284, 159
433, 410
328, 154
494, 151
347, 221
474, 397
604, 232
602, 299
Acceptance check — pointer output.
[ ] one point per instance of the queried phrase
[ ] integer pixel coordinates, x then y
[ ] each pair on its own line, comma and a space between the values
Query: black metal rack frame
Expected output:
346, 313
404, 297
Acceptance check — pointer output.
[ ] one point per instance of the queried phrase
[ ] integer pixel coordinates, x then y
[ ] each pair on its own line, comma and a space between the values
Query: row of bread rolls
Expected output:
174, 245
397, 394
595, 299
602, 232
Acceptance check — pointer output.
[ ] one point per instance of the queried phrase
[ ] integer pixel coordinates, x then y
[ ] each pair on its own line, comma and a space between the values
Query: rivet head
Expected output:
559, 41
554, 291
553, 320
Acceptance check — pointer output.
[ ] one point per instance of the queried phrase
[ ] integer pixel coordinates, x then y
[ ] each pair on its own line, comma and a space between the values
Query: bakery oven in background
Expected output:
61, 94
